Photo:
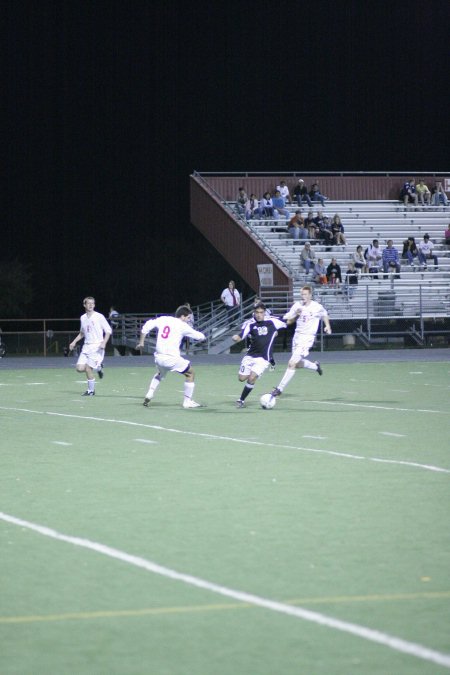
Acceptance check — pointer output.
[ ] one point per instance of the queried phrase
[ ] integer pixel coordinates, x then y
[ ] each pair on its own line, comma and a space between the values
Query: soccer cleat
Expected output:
276, 392
319, 369
146, 403
189, 403
100, 372
240, 404
88, 393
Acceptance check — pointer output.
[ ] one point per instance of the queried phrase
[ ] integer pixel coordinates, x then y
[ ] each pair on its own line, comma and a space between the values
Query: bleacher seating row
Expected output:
364, 221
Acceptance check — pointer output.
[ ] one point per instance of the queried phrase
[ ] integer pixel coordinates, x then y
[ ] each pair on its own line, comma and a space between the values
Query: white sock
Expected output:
189, 389
154, 384
287, 377
309, 364
91, 385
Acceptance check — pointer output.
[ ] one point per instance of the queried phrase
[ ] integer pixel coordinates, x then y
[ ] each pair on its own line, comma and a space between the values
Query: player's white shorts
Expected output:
91, 355
301, 345
176, 364
252, 364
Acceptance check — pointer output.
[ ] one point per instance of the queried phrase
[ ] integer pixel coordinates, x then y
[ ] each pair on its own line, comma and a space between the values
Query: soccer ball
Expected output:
267, 401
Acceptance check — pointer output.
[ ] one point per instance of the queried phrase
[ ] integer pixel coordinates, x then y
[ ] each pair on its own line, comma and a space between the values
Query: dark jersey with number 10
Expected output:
262, 335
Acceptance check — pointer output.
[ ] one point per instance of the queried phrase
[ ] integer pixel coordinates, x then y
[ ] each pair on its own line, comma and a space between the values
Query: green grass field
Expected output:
311, 539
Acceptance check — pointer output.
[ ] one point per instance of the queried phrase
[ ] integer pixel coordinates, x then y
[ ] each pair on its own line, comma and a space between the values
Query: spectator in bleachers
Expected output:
359, 260
410, 250
408, 193
334, 274
279, 206
301, 193
447, 236
284, 192
316, 195
351, 279
438, 195
373, 256
426, 252
337, 230
423, 192
320, 272
241, 201
252, 207
296, 227
391, 258
311, 226
266, 206
325, 232
307, 258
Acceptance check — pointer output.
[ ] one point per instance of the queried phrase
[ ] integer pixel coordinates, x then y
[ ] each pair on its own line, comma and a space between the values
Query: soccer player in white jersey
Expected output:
171, 331
307, 315
96, 332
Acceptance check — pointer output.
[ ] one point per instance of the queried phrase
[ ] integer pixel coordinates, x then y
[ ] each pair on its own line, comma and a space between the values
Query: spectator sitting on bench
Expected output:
296, 227
307, 258
408, 193
301, 193
266, 206
338, 231
279, 206
426, 251
410, 250
391, 259
423, 193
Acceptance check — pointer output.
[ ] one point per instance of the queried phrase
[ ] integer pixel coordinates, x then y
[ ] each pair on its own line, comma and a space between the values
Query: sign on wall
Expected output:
265, 273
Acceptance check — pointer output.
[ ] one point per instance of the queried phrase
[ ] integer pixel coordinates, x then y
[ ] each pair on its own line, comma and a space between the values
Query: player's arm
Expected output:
106, 333
327, 323
145, 330
79, 337
194, 334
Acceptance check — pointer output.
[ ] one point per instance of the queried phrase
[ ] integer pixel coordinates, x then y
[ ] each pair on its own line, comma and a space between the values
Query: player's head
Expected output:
89, 302
306, 293
259, 311
183, 312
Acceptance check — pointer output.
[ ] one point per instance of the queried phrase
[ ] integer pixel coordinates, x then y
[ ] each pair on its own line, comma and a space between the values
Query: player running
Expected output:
96, 332
307, 314
262, 331
171, 331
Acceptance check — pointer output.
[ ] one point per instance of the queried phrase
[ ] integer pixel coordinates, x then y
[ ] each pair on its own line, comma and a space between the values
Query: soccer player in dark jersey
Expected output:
262, 331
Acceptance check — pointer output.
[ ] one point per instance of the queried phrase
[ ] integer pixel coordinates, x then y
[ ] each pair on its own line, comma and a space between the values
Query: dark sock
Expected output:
246, 390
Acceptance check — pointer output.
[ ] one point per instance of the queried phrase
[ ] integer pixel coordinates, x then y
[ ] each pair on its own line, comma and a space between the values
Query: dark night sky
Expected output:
112, 104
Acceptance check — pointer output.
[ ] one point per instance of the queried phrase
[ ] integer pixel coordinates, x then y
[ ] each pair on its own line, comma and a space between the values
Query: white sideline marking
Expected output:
61, 443
33, 383
144, 440
334, 453
395, 643
317, 438
379, 407
390, 433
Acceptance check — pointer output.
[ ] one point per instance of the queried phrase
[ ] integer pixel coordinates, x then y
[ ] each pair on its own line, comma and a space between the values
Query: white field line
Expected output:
61, 443
395, 643
230, 439
379, 407
391, 433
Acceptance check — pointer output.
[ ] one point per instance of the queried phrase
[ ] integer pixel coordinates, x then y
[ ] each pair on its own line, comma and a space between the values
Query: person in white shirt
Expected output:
96, 332
284, 191
231, 298
307, 315
426, 251
171, 331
